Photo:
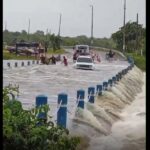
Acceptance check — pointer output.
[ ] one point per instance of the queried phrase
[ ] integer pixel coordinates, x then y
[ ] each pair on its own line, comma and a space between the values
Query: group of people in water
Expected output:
96, 57
109, 56
53, 60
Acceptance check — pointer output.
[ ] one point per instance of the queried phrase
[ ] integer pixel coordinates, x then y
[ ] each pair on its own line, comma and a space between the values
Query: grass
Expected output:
7, 55
139, 60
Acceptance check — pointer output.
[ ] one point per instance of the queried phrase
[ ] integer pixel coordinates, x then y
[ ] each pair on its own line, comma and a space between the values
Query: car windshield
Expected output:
86, 60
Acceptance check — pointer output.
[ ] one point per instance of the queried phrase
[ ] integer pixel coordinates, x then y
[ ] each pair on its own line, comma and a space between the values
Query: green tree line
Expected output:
52, 40
134, 39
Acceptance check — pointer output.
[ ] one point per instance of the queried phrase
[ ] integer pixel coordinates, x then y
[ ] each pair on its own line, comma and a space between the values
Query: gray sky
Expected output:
76, 15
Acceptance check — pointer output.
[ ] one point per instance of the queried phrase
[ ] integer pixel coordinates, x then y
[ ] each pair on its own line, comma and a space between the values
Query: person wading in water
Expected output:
65, 61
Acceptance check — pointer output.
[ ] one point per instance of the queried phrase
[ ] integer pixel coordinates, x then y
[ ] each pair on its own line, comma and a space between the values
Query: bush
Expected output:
138, 60
23, 130
7, 56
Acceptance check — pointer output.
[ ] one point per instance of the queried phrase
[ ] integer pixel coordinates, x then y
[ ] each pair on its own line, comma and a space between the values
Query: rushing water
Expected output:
128, 133
121, 126
54, 79
116, 121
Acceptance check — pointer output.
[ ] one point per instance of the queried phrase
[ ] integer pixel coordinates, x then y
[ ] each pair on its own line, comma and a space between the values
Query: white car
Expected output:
84, 62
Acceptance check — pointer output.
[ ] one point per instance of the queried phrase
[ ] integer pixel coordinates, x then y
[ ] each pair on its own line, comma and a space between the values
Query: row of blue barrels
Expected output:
63, 97
23, 64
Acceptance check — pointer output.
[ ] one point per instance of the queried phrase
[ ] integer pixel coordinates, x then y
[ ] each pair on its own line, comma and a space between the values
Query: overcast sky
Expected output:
76, 15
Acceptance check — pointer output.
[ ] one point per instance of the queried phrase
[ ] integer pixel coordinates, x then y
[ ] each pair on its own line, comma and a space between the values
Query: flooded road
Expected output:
51, 80
112, 122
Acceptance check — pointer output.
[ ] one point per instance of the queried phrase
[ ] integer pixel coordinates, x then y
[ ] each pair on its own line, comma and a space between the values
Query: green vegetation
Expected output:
58, 51
7, 55
134, 38
23, 130
53, 41
135, 42
138, 60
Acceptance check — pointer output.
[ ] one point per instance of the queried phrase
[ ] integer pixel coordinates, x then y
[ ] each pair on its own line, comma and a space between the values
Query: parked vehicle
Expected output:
11, 49
84, 62
25, 48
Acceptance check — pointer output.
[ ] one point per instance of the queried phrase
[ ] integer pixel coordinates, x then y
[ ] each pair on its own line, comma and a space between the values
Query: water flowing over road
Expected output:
116, 121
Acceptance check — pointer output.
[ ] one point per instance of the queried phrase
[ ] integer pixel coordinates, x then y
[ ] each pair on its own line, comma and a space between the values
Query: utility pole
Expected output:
59, 25
49, 32
46, 34
59, 31
46, 41
124, 47
92, 26
5, 25
28, 29
137, 34
137, 18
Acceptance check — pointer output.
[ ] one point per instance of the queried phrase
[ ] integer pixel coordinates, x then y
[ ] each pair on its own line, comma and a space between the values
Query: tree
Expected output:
38, 32
55, 42
118, 39
23, 32
134, 33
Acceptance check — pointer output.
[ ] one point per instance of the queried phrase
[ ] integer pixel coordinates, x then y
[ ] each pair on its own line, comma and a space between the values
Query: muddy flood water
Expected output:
116, 121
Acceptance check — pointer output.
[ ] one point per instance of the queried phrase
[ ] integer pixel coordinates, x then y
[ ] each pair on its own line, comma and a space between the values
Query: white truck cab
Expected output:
80, 50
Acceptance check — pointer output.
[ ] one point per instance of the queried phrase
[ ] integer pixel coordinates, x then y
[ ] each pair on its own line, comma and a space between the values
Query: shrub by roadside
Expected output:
140, 61
21, 129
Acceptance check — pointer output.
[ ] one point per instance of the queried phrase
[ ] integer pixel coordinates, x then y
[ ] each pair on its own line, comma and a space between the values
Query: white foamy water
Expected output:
128, 133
